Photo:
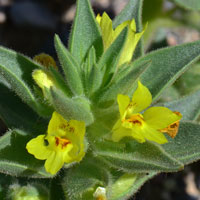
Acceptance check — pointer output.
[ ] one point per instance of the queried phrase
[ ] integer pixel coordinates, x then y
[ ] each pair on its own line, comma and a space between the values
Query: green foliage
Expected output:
14, 158
185, 147
189, 106
17, 70
85, 32
191, 4
82, 178
77, 108
16, 114
133, 157
167, 65
70, 67
88, 92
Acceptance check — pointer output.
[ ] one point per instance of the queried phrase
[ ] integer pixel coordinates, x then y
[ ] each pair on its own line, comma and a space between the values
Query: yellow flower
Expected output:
109, 35
150, 125
63, 143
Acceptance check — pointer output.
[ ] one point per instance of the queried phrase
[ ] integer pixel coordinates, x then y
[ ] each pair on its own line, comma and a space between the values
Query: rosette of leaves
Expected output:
85, 89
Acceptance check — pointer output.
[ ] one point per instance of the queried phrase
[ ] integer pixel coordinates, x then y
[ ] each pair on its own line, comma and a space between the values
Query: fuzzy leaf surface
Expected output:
188, 106
191, 4
70, 67
128, 184
122, 82
17, 114
134, 157
167, 65
77, 108
85, 32
17, 70
83, 177
185, 146
14, 158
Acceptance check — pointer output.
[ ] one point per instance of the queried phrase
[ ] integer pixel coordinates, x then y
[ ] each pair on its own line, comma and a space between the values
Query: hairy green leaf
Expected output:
77, 108
83, 177
185, 146
14, 158
188, 106
85, 32
167, 65
16, 114
134, 157
128, 184
189, 4
122, 82
17, 71
70, 67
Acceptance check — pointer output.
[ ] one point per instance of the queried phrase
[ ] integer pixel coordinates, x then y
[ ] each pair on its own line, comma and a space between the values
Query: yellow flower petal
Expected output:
38, 148
106, 29
54, 162
160, 117
109, 35
98, 18
153, 135
141, 98
119, 132
73, 130
123, 102
64, 143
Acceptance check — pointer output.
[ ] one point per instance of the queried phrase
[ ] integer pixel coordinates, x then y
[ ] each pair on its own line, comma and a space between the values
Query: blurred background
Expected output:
28, 26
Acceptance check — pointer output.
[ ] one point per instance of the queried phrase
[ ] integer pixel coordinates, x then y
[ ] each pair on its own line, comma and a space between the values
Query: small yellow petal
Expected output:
98, 18
119, 132
54, 162
42, 79
153, 135
160, 117
123, 102
141, 98
119, 28
38, 148
107, 30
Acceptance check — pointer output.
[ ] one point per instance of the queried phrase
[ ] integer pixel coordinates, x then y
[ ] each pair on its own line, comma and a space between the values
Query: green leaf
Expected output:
92, 75
70, 67
56, 190
167, 65
17, 71
81, 178
85, 32
136, 158
16, 114
188, 106
108, 63
189, 4
132, 10
77, 108
59, 81
128, 184
14, 158
185, 146
121, 83
94, 80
